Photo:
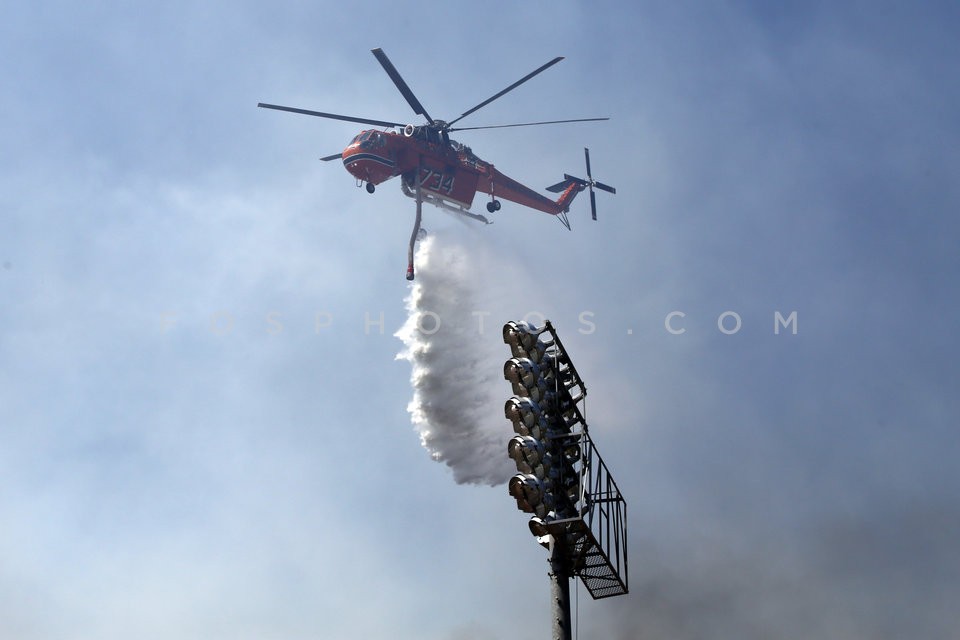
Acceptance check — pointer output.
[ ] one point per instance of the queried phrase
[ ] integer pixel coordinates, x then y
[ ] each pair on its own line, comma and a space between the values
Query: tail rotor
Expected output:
591, 183
582, 184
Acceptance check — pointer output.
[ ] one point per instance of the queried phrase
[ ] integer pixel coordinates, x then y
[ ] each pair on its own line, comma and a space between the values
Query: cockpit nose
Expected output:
368, 157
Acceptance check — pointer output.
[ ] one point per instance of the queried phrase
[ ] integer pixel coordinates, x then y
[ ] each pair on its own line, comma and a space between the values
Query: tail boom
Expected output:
504, 187
499, 185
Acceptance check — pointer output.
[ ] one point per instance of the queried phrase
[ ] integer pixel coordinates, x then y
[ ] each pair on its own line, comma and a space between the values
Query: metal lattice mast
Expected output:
578, 511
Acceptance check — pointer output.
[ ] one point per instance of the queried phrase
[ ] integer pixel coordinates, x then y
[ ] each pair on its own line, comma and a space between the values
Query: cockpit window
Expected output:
371, 139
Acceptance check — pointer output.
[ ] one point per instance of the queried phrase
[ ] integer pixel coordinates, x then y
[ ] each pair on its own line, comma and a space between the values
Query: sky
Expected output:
208, 423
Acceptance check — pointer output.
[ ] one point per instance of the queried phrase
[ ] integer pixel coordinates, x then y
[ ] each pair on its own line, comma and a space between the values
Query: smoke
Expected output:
891, 573
452, 337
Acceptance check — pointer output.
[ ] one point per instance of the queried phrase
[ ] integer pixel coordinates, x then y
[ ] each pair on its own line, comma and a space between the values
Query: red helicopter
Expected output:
434, 168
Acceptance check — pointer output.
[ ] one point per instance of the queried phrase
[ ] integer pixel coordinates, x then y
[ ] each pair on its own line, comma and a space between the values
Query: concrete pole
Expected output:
559, 591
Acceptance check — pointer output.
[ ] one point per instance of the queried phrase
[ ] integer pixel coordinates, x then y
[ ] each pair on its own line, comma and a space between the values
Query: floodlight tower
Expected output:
578, 511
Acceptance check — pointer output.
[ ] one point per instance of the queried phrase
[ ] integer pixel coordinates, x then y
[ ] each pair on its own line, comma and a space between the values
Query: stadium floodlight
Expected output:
529, 379
527, 417
538, 527
528, 453
530, 412
530, 493
577, 510
525, 340
523, 374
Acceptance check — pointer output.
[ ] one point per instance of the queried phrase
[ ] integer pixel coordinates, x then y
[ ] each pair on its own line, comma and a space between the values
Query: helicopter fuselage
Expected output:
440, 171
444, 168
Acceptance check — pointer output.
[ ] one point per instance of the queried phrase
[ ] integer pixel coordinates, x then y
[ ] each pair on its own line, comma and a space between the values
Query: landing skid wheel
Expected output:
493, 205
371, 187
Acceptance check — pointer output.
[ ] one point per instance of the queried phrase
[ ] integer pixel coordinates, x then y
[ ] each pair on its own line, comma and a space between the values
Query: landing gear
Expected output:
493, 205
371, 187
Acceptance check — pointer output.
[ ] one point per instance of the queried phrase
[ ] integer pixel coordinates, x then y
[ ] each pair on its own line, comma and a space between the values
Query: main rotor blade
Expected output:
335, 156
332, 116
401, 85
510, 88
526, 124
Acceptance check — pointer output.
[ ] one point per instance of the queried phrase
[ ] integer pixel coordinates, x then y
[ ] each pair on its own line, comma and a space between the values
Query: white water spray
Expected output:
456, 308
